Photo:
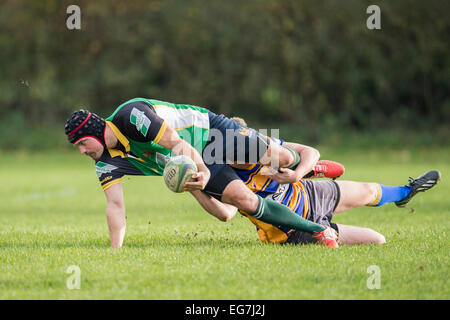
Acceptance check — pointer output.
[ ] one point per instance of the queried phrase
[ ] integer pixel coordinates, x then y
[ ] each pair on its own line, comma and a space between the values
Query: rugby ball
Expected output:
177, 171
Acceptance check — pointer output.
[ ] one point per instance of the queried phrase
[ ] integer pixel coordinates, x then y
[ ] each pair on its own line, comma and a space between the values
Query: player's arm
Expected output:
171, 140
115, 214
308, 158
222, 211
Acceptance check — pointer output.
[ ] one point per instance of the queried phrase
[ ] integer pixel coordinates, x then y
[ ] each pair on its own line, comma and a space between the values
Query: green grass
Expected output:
52, 217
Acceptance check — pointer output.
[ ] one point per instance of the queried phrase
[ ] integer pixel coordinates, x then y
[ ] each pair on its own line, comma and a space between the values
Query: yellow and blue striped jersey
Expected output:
292, 195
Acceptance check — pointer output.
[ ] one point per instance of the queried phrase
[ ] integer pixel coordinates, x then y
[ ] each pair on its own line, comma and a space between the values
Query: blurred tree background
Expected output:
310, 68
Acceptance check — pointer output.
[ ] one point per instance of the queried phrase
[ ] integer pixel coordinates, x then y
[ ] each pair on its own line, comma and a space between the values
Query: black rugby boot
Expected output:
420, 184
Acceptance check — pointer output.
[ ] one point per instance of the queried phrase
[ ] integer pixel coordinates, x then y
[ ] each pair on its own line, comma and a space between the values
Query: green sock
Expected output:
279, 215
296, 157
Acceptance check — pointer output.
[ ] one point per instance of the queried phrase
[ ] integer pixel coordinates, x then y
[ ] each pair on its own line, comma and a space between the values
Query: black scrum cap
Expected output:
83, 123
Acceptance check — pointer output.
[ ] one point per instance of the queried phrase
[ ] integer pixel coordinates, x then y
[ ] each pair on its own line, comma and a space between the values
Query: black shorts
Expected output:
221, 176
323, 198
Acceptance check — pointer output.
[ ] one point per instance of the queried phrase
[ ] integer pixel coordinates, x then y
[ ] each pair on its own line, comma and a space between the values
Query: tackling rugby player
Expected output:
319, 201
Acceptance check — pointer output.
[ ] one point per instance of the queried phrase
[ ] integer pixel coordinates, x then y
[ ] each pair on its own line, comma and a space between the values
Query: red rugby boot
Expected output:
327, 169
327, 237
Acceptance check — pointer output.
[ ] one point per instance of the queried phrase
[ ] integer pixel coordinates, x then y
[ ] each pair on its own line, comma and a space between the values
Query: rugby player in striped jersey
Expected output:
317, 201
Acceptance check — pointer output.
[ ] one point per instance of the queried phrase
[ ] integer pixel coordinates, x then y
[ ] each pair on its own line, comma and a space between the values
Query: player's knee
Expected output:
380, 239
377, 238
371, 191
246, 203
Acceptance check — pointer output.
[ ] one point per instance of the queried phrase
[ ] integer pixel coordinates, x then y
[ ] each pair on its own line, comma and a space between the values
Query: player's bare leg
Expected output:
237, 194
350, 235
358, 194
355, 194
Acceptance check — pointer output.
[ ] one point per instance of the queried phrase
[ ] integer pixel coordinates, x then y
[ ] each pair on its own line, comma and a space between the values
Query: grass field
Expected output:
52, 217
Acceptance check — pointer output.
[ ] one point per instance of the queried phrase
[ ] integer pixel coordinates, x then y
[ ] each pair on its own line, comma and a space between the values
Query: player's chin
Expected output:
94, 156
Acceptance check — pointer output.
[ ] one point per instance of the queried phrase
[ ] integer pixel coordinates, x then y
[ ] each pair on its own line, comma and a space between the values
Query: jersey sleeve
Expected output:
108, 174
111, 170
139, 121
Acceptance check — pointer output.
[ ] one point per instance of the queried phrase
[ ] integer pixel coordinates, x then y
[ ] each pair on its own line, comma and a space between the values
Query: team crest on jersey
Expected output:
140, 120
102, 168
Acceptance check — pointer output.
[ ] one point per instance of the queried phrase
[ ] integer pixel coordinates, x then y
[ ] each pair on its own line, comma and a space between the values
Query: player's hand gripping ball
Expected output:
178, 170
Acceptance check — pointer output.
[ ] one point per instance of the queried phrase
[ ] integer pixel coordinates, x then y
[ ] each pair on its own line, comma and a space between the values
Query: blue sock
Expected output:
388, 194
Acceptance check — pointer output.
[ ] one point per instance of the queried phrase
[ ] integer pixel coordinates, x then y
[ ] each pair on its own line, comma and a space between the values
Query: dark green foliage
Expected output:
309, 64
